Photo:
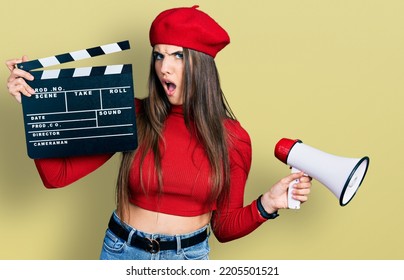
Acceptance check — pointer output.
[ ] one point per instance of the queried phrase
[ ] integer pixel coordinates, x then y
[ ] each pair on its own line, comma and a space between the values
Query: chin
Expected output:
174, 101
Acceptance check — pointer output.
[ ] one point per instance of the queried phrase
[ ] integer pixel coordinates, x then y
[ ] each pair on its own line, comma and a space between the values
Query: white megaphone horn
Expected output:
342, 176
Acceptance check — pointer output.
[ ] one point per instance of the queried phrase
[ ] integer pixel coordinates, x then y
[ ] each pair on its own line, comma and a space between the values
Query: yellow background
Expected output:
327, 72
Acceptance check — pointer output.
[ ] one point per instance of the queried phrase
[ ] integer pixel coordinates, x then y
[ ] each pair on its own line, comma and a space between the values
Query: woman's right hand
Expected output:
16, 83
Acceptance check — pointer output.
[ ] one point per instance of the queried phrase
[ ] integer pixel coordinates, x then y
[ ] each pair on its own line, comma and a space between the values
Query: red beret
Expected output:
188, 28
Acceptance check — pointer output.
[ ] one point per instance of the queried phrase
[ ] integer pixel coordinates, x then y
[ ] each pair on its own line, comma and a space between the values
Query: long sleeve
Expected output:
60, 172
232, 219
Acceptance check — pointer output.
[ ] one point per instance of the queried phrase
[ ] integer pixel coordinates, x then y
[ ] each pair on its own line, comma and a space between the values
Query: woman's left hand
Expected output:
277, 197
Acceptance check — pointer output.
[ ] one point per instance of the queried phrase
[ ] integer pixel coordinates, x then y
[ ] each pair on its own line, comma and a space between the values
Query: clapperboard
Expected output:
79, 111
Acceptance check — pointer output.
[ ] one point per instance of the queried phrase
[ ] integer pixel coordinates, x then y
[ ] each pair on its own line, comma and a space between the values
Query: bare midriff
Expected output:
155, 222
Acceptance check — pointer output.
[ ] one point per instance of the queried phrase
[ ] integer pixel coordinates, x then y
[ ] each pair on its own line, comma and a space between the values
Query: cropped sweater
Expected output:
185, 170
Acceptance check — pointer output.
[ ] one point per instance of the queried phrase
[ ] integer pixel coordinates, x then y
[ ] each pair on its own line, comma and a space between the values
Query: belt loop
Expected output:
131, 233
178, 238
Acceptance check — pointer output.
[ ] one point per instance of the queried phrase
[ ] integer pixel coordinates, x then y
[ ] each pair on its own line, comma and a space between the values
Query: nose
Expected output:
166, 65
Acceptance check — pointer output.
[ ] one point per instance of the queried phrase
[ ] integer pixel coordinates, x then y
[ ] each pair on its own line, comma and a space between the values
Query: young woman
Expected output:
190, 169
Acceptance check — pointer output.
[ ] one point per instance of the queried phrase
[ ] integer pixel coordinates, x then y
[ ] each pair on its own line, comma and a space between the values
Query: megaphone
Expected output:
342, 176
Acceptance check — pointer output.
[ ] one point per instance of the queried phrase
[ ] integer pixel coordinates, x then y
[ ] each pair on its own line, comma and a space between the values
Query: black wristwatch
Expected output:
264, 213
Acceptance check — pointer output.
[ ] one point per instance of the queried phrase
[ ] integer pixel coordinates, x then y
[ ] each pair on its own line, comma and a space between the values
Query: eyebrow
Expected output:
177, 52
173, 53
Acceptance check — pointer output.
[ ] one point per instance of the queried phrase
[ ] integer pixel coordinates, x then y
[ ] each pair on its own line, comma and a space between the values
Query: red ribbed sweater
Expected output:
185, 171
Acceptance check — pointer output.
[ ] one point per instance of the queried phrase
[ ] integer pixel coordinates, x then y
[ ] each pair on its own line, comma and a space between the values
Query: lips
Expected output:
170, 88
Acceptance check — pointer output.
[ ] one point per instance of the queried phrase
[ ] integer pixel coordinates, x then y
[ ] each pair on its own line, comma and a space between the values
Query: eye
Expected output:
179, 55
158, 56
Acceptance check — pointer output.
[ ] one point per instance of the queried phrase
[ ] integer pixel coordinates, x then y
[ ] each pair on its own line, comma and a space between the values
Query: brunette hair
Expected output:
205, 109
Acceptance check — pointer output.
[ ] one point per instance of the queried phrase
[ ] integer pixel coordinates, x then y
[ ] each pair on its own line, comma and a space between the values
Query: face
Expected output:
169, 66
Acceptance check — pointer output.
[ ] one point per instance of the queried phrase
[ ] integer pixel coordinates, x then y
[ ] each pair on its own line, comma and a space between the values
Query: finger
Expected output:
18, 87
302, 186
15, 72
301, 194
305, 179
18, 73
11, 63
26, 89
301, 198
301, 191
293, 176
17, 84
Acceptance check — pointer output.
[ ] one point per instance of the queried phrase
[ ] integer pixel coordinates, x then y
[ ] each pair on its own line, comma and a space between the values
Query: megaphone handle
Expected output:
292, 203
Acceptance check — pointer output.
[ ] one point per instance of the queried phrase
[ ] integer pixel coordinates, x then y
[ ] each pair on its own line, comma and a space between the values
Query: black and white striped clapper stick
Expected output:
74, 56
79, 111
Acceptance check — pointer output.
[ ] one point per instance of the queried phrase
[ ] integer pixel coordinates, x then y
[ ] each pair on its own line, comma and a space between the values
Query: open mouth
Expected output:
170, 88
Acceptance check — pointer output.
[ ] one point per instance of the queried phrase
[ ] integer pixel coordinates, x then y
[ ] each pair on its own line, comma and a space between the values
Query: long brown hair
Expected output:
205, 109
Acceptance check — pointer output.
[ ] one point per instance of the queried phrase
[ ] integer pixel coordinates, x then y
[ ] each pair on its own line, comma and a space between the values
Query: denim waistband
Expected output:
154, 242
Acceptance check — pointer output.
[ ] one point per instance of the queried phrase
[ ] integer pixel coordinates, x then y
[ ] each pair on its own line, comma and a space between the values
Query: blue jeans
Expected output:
114, 248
